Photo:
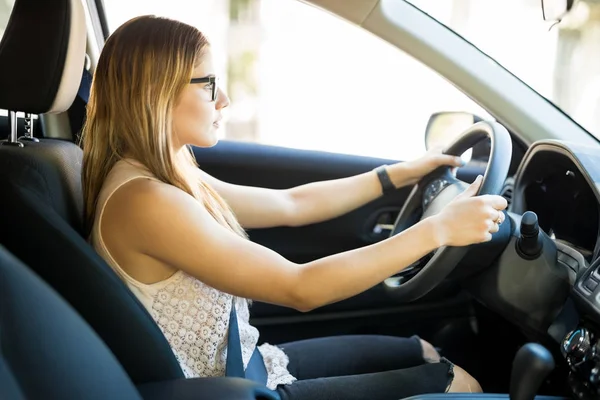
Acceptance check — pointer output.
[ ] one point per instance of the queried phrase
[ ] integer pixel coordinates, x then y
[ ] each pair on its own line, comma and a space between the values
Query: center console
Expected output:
581, 349
581, 346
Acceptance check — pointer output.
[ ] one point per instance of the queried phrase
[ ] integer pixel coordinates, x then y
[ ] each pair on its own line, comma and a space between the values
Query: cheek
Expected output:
196, 108
193, 115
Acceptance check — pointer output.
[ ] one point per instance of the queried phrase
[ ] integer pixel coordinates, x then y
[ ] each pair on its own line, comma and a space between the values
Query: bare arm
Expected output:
302, 205
168, 225
319, 201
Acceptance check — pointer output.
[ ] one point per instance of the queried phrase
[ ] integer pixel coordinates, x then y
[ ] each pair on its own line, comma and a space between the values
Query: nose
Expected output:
222, 99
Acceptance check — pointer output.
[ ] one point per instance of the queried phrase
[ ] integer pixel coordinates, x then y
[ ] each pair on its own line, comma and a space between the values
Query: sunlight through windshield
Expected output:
562, 62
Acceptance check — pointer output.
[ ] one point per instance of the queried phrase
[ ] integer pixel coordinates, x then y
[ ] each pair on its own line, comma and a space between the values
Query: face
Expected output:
196, 117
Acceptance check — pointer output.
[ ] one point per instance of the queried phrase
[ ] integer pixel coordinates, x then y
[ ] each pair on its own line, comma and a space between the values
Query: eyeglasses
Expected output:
212, 81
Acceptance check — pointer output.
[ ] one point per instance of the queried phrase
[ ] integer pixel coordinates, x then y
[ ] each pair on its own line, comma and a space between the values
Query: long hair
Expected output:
144, 67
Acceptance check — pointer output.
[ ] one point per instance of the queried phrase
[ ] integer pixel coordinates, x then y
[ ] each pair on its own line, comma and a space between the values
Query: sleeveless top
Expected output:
193, 316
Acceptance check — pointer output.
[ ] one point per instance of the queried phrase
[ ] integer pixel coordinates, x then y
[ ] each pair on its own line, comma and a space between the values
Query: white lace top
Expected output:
193, 316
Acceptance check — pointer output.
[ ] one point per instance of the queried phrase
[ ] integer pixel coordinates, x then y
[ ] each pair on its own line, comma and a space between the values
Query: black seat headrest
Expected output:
42, 56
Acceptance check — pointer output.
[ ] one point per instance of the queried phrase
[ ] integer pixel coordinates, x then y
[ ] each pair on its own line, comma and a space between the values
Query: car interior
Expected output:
521, 313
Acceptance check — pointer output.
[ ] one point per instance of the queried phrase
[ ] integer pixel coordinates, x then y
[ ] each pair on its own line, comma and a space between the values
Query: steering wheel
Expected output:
431, 194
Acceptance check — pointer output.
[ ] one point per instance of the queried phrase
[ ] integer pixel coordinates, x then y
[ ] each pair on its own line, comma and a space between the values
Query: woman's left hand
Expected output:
410, 172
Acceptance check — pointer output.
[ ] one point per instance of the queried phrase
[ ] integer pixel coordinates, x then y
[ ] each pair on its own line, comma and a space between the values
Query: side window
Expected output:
6, 7
302, 78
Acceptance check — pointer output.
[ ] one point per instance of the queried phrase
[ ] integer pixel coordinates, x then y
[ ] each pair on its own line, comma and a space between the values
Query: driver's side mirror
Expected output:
444, 127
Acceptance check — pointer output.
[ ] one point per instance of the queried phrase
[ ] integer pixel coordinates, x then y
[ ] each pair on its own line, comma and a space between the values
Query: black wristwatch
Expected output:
384, 178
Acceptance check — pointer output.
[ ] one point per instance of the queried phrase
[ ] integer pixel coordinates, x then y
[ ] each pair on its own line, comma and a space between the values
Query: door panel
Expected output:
276, 167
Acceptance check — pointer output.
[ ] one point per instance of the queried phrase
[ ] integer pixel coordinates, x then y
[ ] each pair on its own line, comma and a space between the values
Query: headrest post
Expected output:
29, 129
12, 126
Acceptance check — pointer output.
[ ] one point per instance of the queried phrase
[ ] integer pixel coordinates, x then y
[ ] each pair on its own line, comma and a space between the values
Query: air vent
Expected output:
507, 190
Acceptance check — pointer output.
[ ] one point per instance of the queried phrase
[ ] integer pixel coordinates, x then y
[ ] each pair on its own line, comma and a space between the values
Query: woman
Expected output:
176, 236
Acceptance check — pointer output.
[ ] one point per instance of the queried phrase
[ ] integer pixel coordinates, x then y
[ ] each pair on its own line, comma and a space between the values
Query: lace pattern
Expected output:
194, 318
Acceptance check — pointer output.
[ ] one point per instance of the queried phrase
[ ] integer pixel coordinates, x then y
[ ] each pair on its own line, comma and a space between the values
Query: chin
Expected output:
212, 143
208, 140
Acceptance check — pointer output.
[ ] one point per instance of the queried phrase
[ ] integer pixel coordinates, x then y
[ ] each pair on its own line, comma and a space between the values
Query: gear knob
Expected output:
529, 244
532, 364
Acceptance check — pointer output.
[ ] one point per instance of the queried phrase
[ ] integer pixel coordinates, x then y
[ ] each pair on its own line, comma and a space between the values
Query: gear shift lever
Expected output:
532, 363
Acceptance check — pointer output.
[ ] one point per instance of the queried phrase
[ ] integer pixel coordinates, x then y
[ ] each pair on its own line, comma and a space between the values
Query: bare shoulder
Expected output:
145, 205
141, 196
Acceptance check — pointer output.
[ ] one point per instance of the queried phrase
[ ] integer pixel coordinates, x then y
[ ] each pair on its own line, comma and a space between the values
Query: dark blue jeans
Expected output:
361, 368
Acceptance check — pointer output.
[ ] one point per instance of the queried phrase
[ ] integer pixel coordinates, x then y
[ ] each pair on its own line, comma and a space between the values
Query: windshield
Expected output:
561, 62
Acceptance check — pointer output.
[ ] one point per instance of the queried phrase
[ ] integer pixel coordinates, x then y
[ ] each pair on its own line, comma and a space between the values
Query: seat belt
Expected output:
77, 111
84, 86
234, 366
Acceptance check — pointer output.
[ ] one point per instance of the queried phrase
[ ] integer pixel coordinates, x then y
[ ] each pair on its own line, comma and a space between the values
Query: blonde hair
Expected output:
144, 67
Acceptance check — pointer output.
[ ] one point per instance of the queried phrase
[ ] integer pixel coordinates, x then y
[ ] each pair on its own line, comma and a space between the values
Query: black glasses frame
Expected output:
208, 79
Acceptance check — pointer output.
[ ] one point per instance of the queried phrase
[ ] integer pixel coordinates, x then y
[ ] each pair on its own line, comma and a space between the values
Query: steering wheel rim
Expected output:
446, 258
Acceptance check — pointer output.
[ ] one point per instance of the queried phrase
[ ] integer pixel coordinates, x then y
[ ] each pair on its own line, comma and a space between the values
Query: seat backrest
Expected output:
59, 186
40, 198
33, 230
46, 350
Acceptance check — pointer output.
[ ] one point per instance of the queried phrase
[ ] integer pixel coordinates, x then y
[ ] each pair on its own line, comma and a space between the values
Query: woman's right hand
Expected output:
470, 219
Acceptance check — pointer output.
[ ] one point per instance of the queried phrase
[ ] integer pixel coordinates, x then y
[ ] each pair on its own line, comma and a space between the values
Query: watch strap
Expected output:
384, 178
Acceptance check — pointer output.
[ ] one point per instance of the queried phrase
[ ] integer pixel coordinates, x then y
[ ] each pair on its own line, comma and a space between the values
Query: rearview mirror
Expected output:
555, 10
444, 127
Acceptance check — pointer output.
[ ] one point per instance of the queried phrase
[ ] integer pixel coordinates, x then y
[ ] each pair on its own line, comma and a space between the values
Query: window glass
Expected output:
300, 77
560, 61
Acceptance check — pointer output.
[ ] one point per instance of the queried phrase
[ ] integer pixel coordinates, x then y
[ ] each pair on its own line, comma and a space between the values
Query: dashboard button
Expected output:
591, 284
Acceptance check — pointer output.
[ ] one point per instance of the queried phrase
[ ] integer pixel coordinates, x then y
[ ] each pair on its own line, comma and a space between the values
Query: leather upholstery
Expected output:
46, 348
42, 33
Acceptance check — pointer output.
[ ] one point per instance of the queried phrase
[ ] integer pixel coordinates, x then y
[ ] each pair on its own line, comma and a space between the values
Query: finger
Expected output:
473, 188
497, 202
487, 237
446, 159
495, 215
502, 217
495, 228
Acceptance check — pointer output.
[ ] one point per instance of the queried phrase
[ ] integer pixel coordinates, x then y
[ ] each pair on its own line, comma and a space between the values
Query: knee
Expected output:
463, 382
430, 354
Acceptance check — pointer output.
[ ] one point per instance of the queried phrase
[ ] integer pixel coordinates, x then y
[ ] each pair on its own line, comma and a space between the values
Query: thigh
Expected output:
351, 355
387, 385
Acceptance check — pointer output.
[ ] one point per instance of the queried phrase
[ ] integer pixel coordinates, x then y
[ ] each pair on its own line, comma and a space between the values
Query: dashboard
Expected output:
555, 184
560, 183
559, 292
